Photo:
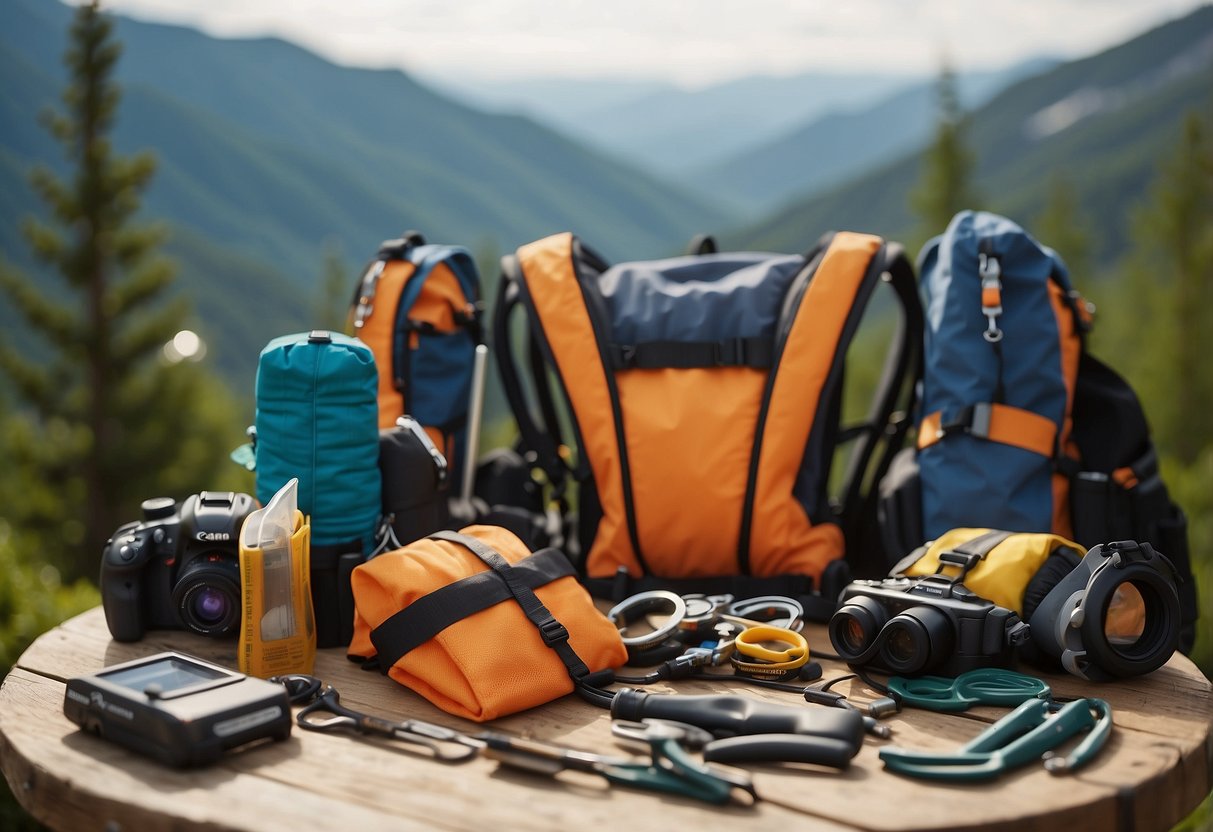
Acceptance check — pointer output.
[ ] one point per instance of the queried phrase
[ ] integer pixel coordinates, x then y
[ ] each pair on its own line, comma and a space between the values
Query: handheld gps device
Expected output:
177, 709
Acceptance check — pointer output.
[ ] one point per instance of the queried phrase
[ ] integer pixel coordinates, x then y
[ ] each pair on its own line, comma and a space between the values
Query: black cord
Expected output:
300, 688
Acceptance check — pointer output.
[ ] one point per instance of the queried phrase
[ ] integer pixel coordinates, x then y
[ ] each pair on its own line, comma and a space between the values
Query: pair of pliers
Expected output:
669, 768
1032, 731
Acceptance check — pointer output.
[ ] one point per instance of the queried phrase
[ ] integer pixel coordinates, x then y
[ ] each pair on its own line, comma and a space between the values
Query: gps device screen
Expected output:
176, 708
170, 674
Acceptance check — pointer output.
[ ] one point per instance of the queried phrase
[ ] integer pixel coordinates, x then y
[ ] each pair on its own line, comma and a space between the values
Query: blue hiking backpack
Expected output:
1019, 427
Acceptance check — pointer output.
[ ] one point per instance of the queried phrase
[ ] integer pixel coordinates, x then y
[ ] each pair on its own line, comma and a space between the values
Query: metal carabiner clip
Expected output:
326, 713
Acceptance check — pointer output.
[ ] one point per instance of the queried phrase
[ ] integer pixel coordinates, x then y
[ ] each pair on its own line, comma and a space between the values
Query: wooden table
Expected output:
1154, 770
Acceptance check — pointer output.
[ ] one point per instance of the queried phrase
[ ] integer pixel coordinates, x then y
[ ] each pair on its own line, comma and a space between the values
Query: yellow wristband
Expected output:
749, 644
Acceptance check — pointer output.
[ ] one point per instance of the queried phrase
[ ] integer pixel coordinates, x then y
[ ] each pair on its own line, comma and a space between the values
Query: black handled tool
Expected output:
740, 716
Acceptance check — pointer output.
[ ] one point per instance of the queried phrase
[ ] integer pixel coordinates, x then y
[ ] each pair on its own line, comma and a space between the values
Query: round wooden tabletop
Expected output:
1154, 770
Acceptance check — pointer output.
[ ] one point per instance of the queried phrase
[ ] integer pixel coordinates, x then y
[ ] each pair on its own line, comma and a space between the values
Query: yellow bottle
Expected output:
277, 628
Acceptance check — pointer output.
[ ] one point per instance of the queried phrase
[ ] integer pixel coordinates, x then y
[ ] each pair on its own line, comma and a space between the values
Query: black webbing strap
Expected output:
553, 633
757, 352
970, 552
430, 614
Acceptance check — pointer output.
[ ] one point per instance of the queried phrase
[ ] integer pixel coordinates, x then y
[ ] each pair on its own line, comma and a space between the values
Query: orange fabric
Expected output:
1125, 478
782, 540
1008, 425
440, 297
1070, 343
928, 430
689, 449
492, 663
378, 332
552, 285
991, 297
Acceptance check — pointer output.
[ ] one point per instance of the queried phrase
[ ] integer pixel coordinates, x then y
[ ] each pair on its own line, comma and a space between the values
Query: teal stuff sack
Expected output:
317, 419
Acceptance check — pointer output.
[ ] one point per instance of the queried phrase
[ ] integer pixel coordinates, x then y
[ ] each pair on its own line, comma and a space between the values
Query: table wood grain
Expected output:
1155, 769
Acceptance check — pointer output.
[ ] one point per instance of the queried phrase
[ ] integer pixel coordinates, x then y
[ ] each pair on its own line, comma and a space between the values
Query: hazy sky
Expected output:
691, 42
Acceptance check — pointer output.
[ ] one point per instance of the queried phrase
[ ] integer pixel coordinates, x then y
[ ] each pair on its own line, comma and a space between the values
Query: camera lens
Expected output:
901, 645
1139, 624
916, 640
854, 627
207, 595
1125, 621
209, 605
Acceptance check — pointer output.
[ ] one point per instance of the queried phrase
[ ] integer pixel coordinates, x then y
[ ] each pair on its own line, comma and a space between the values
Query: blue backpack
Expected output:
1019, 427
1004, 333
317, 419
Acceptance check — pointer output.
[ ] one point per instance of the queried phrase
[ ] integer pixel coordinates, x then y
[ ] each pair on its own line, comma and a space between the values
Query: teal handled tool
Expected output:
983, 686
1032, 731
669, 768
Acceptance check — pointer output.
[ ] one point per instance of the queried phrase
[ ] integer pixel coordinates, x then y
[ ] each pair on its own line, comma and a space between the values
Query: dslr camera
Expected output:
929, 624
178, 568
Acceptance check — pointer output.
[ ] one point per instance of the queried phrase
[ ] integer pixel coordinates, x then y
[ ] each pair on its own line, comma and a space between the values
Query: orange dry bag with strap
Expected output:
478, 625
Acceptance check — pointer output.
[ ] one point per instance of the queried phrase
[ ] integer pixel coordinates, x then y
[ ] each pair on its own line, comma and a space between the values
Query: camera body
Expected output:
930, 624
178, 568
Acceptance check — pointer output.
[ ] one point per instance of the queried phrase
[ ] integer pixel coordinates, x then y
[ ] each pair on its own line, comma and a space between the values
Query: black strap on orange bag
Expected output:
421, 621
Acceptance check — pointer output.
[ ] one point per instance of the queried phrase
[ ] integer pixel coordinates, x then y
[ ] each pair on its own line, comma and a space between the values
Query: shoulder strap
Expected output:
545, 446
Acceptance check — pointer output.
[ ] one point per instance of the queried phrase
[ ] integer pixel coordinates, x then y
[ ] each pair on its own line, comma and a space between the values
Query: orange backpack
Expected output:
478, 625
705, 396
417, 307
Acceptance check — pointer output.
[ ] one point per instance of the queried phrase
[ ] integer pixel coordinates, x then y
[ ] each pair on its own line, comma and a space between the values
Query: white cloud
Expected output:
693, 42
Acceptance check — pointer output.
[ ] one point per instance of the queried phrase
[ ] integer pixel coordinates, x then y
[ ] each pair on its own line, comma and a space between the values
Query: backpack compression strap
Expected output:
997, 423
431, 614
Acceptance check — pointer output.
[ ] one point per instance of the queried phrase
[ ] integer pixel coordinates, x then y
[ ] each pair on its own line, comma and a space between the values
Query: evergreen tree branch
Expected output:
143, 285
49, 317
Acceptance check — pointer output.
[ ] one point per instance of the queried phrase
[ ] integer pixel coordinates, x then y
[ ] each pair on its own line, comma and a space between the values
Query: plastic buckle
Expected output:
974, 419
730, 353
553, 632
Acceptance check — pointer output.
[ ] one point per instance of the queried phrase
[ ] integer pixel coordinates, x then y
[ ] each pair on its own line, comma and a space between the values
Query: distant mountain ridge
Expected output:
267, 153
671, 130
838, 145
1123, 110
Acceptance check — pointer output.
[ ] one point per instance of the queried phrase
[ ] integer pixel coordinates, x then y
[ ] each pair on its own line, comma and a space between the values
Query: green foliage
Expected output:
103, 420
32, 597
1171, 297
1063, 226
32, 600
945, 186
333, 291
1154, 331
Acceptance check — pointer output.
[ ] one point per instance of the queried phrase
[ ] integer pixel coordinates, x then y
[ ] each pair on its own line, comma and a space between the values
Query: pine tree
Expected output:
1062, 226
1172, 291
333, 293
945, 186
100, 423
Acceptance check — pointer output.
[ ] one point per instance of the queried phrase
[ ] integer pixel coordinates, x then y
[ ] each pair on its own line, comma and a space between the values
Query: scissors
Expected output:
324, 712
983, 686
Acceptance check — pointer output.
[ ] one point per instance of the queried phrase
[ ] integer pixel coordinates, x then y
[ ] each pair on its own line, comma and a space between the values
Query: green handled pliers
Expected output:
1032, 731
669, 768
